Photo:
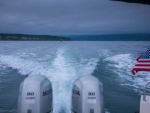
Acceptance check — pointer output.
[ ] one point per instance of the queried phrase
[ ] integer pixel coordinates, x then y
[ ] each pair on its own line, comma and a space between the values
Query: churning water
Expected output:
63, 62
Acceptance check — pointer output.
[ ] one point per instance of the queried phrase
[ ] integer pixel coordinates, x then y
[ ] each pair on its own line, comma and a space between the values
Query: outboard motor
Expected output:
35, 95
87, 95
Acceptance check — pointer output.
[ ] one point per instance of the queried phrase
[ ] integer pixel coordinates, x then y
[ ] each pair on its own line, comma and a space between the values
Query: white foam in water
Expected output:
61, 71
24, 66
106, 111
86, 66
104, 53
122, 65
62, 77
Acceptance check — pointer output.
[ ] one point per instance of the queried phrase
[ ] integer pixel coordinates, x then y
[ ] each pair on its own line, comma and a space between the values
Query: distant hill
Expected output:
112, 37
147, 2
26, 37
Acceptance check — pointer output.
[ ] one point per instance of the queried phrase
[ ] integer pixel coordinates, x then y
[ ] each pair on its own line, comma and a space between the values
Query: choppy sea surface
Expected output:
63, 62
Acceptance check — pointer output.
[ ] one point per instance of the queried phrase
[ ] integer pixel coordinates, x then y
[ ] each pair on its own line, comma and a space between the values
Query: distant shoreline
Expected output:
26, 37
112, 37
106, 37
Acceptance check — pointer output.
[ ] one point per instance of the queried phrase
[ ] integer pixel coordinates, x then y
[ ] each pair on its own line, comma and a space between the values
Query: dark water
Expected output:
63, 62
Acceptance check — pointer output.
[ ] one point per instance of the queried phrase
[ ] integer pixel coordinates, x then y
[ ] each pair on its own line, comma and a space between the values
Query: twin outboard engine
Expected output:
87, 95
35, 95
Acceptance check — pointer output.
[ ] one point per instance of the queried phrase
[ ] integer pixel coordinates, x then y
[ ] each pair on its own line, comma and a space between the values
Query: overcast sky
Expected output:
68, 17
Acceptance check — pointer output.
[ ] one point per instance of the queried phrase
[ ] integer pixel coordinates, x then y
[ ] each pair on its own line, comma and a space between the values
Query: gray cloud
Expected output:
73, 17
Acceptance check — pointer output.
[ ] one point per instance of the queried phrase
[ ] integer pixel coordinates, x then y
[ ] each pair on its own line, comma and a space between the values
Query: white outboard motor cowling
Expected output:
35, 95
87, 95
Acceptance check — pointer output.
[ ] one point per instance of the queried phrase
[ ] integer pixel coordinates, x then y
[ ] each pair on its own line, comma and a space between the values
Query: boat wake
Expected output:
122, 65
62, 71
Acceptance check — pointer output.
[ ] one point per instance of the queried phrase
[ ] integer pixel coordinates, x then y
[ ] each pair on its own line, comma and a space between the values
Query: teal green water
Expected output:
63, 62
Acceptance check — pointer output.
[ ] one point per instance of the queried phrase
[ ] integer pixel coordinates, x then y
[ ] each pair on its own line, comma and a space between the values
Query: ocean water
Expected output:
63, 62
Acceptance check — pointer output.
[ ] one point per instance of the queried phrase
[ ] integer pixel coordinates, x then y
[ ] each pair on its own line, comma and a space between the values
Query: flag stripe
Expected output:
142, 65
144, 60
139, 57
135, 70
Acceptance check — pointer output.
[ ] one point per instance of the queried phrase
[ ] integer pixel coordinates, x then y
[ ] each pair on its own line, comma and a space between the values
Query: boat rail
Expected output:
144, 91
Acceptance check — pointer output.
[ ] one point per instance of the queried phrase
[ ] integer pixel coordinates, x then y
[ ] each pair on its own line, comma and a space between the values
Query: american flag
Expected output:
143, 62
